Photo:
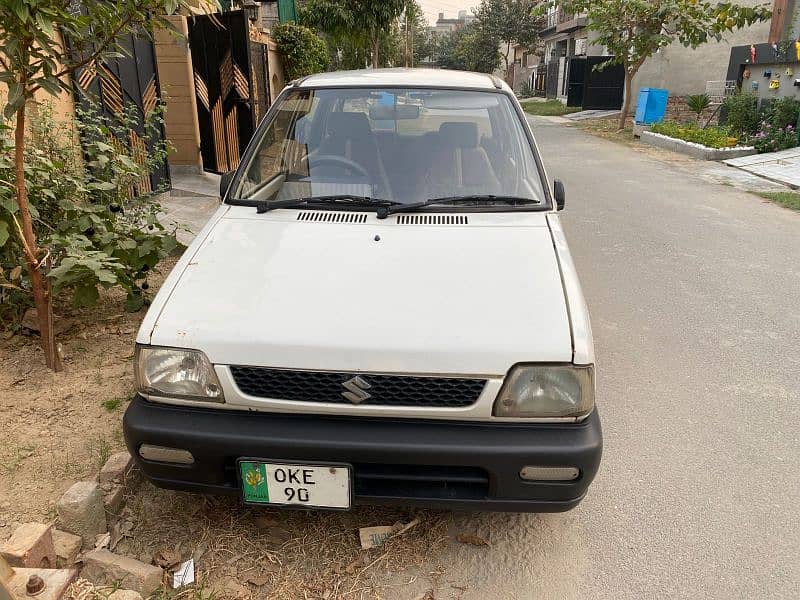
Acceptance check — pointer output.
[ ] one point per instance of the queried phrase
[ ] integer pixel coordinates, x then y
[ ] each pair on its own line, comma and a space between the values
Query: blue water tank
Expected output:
652, 106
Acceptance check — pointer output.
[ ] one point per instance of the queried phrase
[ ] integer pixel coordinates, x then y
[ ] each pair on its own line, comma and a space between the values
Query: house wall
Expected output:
685, 71
175, 74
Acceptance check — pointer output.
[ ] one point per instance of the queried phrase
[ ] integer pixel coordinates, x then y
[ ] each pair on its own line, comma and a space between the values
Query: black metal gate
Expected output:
576, 82
117, 85
604, 89
231, 78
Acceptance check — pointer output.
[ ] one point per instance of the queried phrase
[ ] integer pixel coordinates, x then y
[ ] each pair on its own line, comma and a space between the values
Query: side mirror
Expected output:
225, 181
559, 194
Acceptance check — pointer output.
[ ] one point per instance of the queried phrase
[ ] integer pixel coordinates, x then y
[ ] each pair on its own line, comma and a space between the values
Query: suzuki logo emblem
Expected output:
356, 390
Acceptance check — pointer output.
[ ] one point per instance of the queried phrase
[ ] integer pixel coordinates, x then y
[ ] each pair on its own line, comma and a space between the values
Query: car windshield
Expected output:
398, 145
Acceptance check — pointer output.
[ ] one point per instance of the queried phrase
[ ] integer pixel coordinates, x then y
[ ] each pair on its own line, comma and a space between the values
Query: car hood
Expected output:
375, 296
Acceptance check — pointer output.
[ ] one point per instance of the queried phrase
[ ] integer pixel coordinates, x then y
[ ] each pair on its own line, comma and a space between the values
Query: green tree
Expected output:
467, 49
33, 58
355, 21
634, 30
415, 34
304, 52
510, 22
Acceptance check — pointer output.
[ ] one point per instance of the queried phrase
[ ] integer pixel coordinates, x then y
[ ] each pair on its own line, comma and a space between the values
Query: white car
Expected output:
383, 310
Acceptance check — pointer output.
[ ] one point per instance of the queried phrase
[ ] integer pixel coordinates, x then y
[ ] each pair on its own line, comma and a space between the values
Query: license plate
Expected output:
311, 486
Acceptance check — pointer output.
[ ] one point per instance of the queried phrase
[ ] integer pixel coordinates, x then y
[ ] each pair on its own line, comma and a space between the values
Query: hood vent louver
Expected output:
432, 220
323, 216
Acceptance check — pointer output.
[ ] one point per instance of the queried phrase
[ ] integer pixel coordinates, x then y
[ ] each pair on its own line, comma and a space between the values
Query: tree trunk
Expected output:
375, 45
408, 44
626, 105
39, 283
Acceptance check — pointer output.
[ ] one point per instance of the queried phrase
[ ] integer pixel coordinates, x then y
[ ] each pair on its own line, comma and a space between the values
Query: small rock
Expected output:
67, 547
116, 468
104, 567
81, 511
113, 498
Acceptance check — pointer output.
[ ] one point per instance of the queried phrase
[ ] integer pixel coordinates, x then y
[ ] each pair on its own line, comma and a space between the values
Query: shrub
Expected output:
96, 231
698, 103
304, 52
525, 90
783, 112
741, 114
773, 139
712, 137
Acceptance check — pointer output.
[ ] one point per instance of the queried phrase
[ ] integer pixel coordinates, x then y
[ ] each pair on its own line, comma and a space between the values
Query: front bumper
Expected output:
437, 464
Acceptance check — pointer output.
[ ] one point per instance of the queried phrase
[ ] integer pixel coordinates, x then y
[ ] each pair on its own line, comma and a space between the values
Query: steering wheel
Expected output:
339, 161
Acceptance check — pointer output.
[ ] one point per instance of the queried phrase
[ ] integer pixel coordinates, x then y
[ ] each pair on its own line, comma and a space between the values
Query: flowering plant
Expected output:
771, 138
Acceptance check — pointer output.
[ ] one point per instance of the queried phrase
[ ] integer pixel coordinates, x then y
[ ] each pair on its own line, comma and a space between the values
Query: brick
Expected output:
125, 595
67, 548
105, 568
30, 546
116, 468
81, 511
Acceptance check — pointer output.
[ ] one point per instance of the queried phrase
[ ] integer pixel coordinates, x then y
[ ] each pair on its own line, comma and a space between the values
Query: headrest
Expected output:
462, 135
348, 125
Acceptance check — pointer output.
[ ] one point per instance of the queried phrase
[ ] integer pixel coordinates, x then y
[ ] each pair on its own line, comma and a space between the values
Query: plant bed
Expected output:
695, 149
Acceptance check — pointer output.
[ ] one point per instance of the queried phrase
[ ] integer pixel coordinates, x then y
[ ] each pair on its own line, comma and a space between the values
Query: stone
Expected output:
104, 567
116, 468
56, 582
81, 511
31, 546
67, 548
113, 498
125, 595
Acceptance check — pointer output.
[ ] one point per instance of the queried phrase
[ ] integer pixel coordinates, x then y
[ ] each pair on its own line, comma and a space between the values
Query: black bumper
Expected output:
437, 464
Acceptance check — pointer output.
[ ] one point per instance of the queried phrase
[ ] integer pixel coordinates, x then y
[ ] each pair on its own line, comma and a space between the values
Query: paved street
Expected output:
694, 290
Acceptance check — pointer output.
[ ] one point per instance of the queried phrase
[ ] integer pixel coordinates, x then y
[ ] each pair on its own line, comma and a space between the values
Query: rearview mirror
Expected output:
559, 194
225, 181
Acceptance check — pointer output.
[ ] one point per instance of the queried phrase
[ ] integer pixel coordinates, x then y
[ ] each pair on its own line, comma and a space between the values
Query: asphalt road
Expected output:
694, 292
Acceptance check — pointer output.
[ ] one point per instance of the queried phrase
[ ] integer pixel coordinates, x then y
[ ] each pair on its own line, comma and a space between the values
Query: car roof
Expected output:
436, 78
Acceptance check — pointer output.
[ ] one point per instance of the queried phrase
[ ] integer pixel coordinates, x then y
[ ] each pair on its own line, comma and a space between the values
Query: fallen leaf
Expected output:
102, 540
166, 559
472, 540
426, 596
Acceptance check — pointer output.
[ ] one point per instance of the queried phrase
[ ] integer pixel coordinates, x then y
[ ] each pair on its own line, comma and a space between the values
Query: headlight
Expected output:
176, 373
541, 391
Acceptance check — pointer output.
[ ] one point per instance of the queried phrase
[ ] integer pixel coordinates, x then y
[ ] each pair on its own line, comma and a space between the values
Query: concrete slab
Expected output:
56, 582
781, 167
592, 114
195, 184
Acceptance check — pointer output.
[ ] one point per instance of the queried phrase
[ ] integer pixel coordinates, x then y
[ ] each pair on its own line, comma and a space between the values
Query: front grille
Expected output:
420, 481
361, 389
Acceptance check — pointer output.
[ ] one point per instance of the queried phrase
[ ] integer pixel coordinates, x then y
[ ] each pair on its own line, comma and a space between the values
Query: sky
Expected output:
450, 8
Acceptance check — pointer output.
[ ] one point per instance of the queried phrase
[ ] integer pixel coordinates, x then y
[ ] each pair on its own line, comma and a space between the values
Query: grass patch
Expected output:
787, 199
609, 129
548, 108
112, 404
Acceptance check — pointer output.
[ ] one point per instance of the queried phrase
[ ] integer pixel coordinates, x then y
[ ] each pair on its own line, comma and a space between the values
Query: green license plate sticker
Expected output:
254, 482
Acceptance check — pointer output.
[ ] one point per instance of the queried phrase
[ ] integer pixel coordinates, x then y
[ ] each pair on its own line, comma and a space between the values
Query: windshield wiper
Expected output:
349, 199
476, 199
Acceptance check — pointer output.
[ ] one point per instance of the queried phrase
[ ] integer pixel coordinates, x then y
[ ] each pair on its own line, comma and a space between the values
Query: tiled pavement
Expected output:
782, 167
190, 203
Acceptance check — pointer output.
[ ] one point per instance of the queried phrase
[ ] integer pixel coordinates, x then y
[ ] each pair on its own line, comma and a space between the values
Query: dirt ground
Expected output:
60, 428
